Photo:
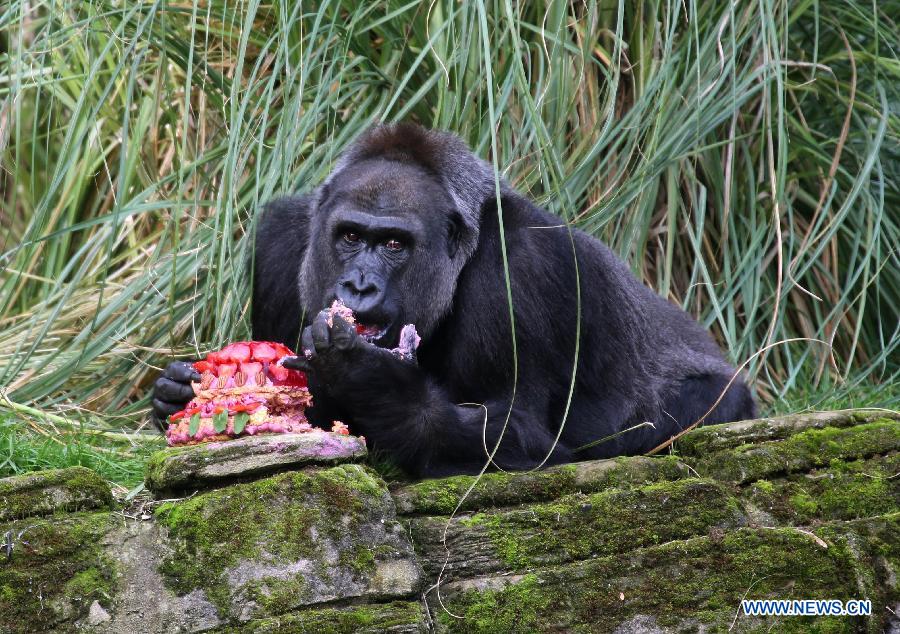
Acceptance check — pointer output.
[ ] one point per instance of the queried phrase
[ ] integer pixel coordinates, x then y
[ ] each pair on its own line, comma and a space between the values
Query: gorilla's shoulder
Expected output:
279, 243
281, 234
285, 217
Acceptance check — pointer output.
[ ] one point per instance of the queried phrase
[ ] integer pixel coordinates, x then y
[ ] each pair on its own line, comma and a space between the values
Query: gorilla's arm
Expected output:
408, 414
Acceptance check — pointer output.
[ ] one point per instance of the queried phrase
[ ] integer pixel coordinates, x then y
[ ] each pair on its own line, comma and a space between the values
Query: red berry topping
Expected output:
238, 352
264, 351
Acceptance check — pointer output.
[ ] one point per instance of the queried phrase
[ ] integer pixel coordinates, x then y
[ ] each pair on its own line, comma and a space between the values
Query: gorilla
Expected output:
407, 230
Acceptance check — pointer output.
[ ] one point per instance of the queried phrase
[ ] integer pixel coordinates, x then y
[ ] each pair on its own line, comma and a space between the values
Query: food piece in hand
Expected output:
341, 310
369, 332
242, 391
409, 341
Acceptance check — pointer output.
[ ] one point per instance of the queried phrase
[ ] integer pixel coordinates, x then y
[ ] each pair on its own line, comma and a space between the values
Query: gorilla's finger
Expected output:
163, 409
172, 391
321, 335
343, 335
308, 347
297, 363
181, 371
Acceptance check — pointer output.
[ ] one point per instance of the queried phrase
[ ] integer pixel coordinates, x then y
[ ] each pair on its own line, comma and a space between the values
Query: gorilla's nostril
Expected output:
359, 288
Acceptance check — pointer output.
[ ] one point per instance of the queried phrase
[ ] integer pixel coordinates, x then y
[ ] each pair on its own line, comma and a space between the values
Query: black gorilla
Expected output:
405, 230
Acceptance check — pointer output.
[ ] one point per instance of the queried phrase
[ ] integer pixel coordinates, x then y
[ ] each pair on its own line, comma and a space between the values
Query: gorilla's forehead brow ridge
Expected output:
390, 220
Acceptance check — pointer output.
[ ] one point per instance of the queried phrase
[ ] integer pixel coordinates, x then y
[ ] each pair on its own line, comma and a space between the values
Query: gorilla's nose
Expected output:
359, 293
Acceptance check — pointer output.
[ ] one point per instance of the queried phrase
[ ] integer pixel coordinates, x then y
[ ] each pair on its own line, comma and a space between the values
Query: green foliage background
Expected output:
742, 156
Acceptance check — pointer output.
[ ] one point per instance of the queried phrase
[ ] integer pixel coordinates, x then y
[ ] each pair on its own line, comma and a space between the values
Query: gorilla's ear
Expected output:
468, 180
323, 191
320, 197
455, 229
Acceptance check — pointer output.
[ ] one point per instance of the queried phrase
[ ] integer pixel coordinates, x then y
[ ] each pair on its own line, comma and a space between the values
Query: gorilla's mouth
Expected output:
371, 332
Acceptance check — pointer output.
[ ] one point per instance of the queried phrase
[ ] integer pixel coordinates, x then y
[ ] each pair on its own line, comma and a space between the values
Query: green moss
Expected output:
804, 504
360, 560
155, 466
492, 489
518, 607
161, 468
182, 468
764, 486
841, 490
504, 489
579, 526
357, 619
276, 596
872, 548
687, 585
56, 570
802, 451
275, 522
714, 438
92, 582
55, 490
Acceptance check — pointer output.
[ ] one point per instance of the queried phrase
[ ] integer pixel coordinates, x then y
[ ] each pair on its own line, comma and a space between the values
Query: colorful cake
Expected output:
243, 391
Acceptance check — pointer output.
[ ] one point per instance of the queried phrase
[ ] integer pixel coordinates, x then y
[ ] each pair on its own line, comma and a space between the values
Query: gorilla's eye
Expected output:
393, 245
351, 237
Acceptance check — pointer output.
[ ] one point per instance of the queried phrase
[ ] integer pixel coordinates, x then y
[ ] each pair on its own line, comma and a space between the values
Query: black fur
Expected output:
640, 357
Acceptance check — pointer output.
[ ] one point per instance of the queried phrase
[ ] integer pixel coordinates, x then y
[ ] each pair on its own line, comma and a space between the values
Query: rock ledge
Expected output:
184, 467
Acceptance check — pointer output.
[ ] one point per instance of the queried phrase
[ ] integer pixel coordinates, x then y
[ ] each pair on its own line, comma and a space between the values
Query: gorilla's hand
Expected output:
347, 366
172, 391
399, 409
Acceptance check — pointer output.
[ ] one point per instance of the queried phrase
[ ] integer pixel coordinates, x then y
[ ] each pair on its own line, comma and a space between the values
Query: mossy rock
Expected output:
843, 490
802, 452
443, 496
55, 490
263, 548
398, 617
685, 585
872, 546
574, 527
199, 465
637, 544
56, 569
713, 438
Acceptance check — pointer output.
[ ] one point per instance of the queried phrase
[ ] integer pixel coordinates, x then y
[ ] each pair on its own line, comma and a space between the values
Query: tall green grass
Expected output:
742, 156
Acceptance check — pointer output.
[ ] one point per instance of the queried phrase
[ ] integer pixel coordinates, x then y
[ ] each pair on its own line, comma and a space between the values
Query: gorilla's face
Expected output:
384, 240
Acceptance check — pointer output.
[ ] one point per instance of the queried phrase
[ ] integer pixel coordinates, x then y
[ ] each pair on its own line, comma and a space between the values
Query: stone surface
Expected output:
141, 601
844, 490
574, 527
713, 438
398, 617
686, 585
47, 492
802, 451
97, 615
468, 493
195, 465
263, 548
56, 569
805, 507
